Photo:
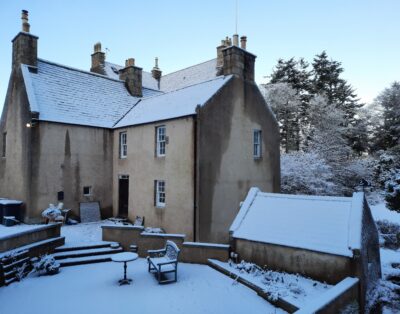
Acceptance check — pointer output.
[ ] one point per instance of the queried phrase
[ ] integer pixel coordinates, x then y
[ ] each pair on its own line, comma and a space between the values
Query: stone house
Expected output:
326, 238
180, 149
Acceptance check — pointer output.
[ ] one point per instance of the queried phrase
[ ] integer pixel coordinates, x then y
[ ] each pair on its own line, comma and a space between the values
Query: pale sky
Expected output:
361, 34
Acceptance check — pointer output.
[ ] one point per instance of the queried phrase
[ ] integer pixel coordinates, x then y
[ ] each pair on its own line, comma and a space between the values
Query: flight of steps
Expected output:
86, 253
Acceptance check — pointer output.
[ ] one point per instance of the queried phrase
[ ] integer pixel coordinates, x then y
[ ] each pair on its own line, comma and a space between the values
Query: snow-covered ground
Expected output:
380, 212
94, 289
387, 290
6, 231
293, 288
85, 232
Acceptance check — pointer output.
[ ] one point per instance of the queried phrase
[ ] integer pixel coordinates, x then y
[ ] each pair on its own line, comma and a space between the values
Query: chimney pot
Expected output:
130, 62
243, 41
236, 40
97, 47
25, 19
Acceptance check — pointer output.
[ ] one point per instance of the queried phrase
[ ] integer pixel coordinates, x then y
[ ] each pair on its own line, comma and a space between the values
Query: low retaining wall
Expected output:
320, 266
191, 252
335, 299
27, 237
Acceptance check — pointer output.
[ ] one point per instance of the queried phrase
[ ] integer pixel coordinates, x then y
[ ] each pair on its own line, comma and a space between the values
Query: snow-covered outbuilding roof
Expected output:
317, 223
66, 95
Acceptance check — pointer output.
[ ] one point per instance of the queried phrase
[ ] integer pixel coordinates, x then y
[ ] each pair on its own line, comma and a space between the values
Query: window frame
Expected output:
160, 194
161, 143
90, 190
123, 145
257, 143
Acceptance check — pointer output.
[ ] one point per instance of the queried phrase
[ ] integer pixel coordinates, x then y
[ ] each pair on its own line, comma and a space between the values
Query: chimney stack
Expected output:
243, 41
132, 76
156, 72
24, 44
98, 59
235, 60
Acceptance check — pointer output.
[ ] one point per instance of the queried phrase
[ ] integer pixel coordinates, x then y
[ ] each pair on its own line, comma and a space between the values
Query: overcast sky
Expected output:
362, 34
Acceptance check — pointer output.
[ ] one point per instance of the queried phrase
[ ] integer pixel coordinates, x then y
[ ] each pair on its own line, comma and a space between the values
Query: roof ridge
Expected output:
112, 64
191, 66
91, 73
310, 197
177, 90
79, 70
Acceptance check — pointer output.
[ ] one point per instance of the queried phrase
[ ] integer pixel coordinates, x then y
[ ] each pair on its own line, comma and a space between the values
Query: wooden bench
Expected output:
164, 261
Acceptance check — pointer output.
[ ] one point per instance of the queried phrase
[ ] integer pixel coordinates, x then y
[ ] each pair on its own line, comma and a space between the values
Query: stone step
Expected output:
85, 260
84, 246
87, 252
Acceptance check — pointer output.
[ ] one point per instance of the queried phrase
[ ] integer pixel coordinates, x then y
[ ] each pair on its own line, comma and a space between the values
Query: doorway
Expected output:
123, 199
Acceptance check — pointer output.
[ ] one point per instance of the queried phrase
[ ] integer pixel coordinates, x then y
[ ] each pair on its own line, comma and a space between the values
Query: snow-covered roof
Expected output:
195, 74
318, 223
178, 103
66, 95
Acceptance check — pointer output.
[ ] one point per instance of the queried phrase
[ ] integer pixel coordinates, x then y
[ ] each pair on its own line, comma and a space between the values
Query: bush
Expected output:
45, 265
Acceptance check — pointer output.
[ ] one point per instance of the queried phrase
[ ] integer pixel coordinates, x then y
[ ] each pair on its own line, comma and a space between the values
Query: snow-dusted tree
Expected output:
297, 75
387, 134
285, 104
326, 80
306, 173
326, 131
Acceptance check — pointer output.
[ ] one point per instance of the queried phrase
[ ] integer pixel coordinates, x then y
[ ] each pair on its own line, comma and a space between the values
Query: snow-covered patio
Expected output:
94, 289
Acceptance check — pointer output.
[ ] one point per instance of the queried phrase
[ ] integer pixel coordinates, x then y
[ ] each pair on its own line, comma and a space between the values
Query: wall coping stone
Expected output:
16, 235
207, 245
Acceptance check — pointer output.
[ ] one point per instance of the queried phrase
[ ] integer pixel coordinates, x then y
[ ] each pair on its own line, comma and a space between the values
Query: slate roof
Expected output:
67, 95
195, 74
178, 103
318, 223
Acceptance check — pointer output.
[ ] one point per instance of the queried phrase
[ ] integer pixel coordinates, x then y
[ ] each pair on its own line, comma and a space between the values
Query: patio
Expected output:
94, 289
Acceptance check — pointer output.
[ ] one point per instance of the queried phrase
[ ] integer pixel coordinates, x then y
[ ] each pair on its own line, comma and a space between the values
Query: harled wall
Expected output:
176, 168
227, 168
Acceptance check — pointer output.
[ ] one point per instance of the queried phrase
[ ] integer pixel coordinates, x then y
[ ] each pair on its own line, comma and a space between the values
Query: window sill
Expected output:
160, 206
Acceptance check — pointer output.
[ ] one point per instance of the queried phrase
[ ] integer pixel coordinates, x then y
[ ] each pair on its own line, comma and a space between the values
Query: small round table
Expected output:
124, 257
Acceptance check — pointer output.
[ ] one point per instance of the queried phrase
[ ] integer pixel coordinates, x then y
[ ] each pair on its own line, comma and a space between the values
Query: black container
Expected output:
10, 208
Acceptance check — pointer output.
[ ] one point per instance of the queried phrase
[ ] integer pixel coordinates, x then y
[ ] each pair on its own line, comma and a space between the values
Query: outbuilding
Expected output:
325, 238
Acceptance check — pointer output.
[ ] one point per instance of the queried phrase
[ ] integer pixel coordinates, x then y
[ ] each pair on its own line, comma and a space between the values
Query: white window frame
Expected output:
161, 140
257, 149
123, 145
160, 193
90, 191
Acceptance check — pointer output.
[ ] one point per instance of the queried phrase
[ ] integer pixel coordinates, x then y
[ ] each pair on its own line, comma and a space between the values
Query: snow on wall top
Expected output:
318, 223
195, 74
178, 103
66, 95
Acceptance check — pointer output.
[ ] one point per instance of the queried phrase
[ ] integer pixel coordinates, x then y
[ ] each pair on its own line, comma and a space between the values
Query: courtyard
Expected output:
94, 289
